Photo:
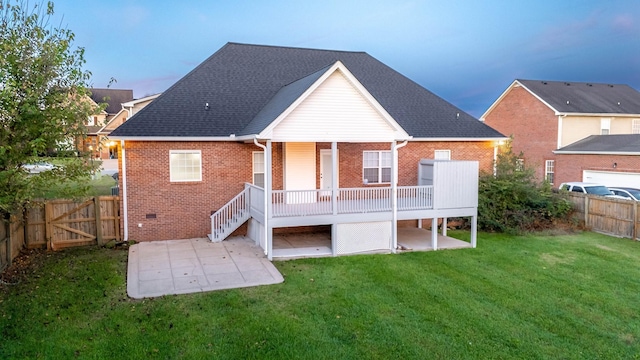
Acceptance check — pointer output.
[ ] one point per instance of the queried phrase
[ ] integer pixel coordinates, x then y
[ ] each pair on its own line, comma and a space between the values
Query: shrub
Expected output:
513, 200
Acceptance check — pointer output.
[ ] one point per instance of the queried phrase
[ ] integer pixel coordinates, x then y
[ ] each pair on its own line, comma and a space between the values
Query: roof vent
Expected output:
457, 116
610, 85
567, 102
206, 106
589, 85
568, 84
618, 103
543, 82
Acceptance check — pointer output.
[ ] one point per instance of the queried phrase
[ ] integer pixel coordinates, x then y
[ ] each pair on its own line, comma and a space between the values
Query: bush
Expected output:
513, 201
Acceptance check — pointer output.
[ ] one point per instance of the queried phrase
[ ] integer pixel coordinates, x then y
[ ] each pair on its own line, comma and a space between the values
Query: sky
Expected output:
465, 51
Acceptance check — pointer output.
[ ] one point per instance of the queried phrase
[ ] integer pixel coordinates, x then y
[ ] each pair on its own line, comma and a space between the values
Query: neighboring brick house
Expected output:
544, 116
95, 140
128, 109
331, 123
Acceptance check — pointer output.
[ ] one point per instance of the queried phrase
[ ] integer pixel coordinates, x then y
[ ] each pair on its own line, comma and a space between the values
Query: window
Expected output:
549, 171
635, 126
258, 168
185, 165
442, 155
605, 126
376, 167
519, 164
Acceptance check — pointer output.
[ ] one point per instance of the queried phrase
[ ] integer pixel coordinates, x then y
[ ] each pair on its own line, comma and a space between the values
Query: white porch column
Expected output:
334, 177
434, 233
474, 230
444, 226
268, 187
394, 197
334, 197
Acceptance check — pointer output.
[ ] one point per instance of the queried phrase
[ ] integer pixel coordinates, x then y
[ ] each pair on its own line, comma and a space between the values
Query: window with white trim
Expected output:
519, 164
376, 167
442, 154
605, 126
549, 170
258, 168
185, 165
635, 126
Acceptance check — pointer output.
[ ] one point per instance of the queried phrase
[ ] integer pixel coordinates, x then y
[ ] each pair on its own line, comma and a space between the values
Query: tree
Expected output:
43, 102
511, 200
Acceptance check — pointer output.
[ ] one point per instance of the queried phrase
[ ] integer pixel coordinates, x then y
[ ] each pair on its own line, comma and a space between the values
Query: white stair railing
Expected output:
230, 217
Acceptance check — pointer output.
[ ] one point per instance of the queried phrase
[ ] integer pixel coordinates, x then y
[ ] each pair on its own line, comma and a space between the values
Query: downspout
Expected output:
124, 193
266, 198
394, 196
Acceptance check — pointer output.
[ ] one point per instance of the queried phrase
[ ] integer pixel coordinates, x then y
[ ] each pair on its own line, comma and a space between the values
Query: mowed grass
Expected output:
528, 297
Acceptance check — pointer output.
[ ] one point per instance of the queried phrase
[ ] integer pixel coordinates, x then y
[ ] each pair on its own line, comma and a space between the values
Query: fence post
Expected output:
48, 230
116, 214
634, 212
586, 211
96, 205
8, 242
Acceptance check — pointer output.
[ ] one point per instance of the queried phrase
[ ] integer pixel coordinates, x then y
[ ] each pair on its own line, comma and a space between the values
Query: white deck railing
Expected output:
415, 197
229, 217
256, 198
363, 200
287, 203
300, 203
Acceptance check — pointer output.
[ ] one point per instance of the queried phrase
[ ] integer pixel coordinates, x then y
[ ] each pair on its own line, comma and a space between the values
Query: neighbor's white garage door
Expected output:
612, 179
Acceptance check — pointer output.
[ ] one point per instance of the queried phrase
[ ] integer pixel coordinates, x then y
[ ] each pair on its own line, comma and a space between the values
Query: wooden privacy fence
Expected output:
608, 215
58, 224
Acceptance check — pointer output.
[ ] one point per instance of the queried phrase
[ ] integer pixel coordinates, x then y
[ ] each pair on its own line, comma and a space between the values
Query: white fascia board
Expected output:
338, 66
561, 152
459, 139
184, 138
137, 101
110, 121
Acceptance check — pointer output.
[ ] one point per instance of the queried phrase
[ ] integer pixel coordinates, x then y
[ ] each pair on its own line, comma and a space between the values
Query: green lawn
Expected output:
528, 297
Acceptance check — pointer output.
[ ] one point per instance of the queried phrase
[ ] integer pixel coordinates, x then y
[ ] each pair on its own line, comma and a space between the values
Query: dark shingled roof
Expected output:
247, 86
113, 97
586, 98
605, 143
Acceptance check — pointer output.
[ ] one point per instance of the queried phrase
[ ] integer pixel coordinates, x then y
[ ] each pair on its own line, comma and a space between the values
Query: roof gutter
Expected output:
577, 152
560, 113
123, 176
266, 195
461, 139
231, 137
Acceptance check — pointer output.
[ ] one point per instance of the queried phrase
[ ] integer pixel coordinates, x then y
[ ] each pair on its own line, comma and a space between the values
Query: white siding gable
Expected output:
337, 110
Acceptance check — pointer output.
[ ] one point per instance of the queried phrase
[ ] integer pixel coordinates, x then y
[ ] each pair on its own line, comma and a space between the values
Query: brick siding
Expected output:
533, 125
570, 167
169, 210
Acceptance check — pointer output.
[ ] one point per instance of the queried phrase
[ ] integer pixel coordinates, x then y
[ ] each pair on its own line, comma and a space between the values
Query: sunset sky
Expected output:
467, 52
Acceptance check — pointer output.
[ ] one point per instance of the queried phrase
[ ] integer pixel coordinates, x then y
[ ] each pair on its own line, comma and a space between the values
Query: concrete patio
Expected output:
196, 265
169, 267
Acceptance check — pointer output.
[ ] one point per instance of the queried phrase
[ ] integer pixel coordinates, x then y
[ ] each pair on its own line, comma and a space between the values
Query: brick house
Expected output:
545, 116
95, 140
269, 138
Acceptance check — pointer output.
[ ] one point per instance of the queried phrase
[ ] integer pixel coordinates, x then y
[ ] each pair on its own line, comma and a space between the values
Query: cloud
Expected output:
623, 23
567, 35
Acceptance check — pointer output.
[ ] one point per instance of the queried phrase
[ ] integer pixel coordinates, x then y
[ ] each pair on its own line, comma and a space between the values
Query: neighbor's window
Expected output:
635, 126
258, 168
549, 166
376, 167
185, 165
519, 164
442, 154
605, 126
